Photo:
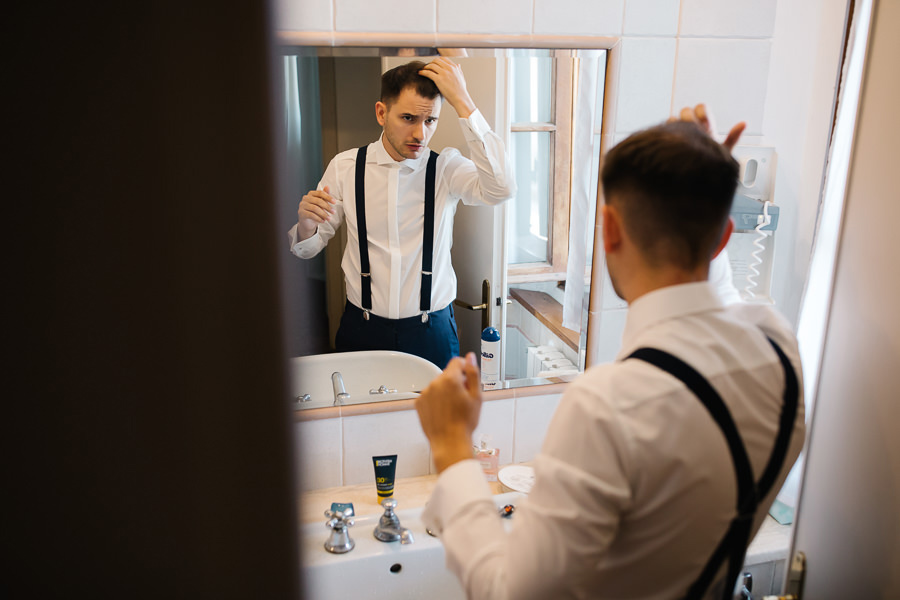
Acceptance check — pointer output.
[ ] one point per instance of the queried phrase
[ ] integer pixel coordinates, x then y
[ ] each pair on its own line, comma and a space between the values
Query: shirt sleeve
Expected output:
561, 530
311, 246
488, 178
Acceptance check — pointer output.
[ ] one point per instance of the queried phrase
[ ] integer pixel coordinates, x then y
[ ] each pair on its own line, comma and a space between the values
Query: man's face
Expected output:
409, 122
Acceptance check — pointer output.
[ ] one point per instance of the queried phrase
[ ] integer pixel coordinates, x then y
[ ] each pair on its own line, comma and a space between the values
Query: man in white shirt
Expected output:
400, 283
642, 488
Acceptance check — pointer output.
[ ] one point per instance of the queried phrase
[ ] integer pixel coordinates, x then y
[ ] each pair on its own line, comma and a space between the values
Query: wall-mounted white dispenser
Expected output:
751, 249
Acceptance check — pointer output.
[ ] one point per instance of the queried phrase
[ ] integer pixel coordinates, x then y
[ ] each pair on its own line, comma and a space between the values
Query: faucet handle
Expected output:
389, 504
338, 519
339, 541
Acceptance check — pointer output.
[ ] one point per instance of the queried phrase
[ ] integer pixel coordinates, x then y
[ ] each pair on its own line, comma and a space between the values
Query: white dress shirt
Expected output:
634, 485
395, 194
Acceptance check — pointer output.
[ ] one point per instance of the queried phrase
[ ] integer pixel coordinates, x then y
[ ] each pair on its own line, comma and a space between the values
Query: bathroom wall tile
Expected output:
533, 414
610, 324
303, 15
478, 16
645, 82
531, 327
728, 18
651, 17
729, 76
609, 299
577, 17
401, 16
318, 453
397, 433
497, 421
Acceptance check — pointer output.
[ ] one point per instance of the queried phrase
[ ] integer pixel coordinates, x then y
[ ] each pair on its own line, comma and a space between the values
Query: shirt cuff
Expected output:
475, 127
458, 486
303, 248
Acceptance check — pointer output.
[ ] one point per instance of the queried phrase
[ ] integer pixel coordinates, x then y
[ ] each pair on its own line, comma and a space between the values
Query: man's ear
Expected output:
381, 112
726, 235
611, 228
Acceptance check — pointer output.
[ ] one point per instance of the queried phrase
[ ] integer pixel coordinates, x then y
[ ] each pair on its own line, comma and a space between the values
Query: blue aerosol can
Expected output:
490, 358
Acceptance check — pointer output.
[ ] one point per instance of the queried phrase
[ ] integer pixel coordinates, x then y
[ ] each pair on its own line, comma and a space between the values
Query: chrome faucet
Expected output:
340, 393
388, 528
339, 541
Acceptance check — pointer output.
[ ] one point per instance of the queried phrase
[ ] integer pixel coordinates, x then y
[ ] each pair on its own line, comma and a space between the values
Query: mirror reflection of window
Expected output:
532, 143
555, 107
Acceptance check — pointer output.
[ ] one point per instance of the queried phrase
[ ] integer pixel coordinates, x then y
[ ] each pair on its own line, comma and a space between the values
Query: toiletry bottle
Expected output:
490, 358
489, 458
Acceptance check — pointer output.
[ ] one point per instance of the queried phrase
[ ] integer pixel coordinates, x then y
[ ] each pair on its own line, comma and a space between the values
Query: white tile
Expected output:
497, 419
608, 297
728, 18
303, 15
577, 17
533, 414
651, 17
479, 16
531, 327
729, 76
611, 326
319, 453
397, 433
401, 16
645, 82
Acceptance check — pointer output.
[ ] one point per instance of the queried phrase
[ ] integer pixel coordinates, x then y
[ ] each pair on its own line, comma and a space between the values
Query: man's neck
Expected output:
648, 280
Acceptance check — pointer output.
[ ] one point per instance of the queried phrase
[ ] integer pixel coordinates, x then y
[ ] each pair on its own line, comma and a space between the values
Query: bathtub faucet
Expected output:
388, 528
340, 393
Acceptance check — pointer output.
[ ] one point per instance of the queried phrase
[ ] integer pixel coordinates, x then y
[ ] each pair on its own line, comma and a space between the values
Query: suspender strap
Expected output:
734, 544
365, 271
428, 235
362, 235
785, 425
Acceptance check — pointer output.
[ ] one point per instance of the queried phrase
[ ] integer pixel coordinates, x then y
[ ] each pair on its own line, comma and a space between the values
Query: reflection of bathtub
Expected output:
381, 570
362, 372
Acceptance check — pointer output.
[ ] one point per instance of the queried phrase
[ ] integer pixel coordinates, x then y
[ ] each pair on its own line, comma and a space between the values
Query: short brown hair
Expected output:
674, 185
399, 78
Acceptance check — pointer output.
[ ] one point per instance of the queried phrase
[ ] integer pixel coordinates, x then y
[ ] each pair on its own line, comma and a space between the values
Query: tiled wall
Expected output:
515, 423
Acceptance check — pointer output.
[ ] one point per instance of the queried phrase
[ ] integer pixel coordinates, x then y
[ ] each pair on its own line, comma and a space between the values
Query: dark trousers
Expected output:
435, 340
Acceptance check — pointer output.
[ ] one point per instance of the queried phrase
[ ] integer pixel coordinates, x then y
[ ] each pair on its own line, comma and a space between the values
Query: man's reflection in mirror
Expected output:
398, 199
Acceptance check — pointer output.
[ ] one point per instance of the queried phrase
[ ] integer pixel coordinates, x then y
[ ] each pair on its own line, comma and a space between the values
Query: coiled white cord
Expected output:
756, 258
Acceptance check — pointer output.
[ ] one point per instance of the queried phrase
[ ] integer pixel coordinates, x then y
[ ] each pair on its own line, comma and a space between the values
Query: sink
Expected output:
361, 372
377, 570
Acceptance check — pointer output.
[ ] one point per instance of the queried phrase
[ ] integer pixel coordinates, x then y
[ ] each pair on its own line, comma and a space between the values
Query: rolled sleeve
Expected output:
475, 127
305, 248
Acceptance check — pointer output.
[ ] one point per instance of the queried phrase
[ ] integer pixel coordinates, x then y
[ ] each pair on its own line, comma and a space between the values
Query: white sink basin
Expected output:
362, 372
376, 570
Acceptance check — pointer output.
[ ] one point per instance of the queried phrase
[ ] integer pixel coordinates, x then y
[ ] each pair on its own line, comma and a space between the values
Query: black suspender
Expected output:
428, 234
734, 544
365, 271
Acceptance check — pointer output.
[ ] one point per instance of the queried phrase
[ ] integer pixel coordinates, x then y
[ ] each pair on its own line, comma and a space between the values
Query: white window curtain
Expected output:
589, 69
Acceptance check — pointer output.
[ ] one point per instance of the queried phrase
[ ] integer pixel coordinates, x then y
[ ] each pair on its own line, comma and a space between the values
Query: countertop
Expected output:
409, 492
772, 541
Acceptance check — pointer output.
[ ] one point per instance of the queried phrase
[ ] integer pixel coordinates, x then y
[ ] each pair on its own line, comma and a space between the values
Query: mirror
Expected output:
527, 262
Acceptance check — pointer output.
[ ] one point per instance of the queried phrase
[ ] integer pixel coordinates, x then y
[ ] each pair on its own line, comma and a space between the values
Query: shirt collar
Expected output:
382, 157
666, 303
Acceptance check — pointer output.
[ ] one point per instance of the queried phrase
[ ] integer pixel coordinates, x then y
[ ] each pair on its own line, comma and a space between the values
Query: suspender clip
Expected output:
424, 316
366, 314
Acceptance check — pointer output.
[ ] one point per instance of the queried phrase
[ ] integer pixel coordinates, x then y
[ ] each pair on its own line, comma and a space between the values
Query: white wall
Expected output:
847, 522
772, 63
